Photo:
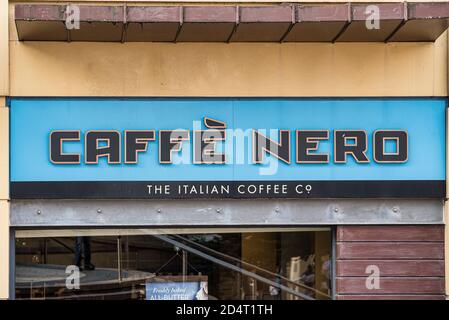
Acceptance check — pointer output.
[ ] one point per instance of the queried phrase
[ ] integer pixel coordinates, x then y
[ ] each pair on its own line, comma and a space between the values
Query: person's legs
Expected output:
87, 254
78, 251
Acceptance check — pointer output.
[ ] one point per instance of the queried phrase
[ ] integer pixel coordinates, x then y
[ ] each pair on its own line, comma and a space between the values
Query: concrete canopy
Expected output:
330, 22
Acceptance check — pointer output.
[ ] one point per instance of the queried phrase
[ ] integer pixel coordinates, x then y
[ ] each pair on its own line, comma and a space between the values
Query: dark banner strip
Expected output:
227, 189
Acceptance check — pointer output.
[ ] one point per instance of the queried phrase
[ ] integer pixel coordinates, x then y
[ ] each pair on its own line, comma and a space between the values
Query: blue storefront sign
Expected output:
227, 148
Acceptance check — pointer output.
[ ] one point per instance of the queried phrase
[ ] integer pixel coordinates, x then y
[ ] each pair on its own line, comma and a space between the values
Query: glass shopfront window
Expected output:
236, 264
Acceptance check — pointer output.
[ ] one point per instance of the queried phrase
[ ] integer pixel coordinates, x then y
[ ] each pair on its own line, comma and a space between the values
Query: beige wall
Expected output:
4, 152
146, 69
4, 51
4, 249
218, 69
4, 202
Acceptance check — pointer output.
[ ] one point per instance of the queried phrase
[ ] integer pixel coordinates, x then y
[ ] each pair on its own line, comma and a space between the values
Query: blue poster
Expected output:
195, 290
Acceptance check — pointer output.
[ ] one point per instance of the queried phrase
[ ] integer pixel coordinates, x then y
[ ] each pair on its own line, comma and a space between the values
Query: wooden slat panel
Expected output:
395, 250
410, 259
403, 268
390, 233
391, 297
421, 285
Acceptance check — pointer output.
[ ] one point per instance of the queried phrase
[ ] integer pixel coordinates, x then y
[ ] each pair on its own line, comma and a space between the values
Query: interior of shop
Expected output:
213, 264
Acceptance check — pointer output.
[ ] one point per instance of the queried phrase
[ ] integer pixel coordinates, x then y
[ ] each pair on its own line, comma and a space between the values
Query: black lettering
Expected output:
204, 147
401, 153
57, 138
111, 150
262, 144
170, 141
136, 141
308, 140
356, 149
214, 124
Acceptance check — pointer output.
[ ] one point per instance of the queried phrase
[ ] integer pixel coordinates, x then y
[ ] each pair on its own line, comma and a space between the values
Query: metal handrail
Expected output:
63, 245
255, 267
231, 266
